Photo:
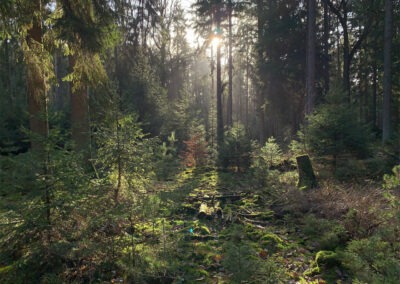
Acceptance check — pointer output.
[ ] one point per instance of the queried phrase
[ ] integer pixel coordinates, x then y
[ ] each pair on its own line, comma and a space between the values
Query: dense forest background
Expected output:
160, 141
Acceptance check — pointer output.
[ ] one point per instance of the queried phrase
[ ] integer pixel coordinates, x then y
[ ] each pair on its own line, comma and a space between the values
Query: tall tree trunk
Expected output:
374, 93
247, 88
230, 75
346, 56
79, 113
260, 94
37, 101
37, 106
348, 51
311, 35
7, 73
338, 49
220, 123
212, 136
326, 47
387, 73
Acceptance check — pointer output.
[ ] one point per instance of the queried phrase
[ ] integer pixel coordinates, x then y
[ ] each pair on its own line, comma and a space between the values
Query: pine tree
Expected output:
387, 77
86, 28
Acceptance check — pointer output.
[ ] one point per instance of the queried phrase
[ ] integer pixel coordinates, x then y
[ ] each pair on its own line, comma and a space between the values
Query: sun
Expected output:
215, 41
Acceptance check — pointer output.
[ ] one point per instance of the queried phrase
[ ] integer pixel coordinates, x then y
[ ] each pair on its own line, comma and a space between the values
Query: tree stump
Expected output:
307, 177
205, 212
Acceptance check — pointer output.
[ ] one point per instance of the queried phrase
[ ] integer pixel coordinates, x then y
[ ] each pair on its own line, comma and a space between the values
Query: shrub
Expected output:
271, 153
265, 159
167, 161
195, 153
392, 181
244, 264
328, 234
236, 149
125, 156
372, 260
333, 130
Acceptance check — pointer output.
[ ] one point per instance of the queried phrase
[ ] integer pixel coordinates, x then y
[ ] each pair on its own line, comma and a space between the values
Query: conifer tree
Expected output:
84, 26
387, 76
28, 18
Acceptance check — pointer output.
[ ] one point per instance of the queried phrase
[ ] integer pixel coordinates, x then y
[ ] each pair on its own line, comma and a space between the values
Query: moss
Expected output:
323, 259
312, 270
252, 232
267, 215
271, 242
6, 269
327, 258
307, 177
204, 230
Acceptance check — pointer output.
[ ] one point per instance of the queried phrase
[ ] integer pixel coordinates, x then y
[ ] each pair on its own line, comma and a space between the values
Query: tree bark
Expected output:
326, 47
311, 54
374, 93
79, 112
348, 51
37, 101
230, 73
220, 123
247, 88
346, 58
307, 179
387, 72
260, 95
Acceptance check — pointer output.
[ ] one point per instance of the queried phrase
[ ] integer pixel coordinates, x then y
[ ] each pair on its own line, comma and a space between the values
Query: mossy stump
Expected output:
205, 212
307, 177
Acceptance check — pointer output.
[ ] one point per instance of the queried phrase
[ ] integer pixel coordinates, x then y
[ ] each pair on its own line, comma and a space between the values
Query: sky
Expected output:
192, 37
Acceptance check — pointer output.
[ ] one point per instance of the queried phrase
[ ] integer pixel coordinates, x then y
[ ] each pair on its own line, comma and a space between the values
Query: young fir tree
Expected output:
333, 129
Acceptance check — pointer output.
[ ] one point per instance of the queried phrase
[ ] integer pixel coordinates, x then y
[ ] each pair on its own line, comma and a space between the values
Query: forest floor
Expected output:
230, 232
221, 227
211, 226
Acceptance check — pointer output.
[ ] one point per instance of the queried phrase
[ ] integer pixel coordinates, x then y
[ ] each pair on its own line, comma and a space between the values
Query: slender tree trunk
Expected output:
212, 98
120, 169
342, 20
346, 57
7, 77
311, 35
79, 113
374, 93
37, 107
230, 75
387, 73
260, 95
338, 50
348, 51
37, 101
326, 47
220, 123
247, 88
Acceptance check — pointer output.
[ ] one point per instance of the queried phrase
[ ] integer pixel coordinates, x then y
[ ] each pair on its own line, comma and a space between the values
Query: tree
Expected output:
387, 77
230, 66
214, 12
342, 11
260, 88
333, 130
83, 26
281, 66
311, 55
25, 20
326, 68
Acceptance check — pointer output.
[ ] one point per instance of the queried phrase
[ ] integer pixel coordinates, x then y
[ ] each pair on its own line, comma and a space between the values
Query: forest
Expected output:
200, 141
